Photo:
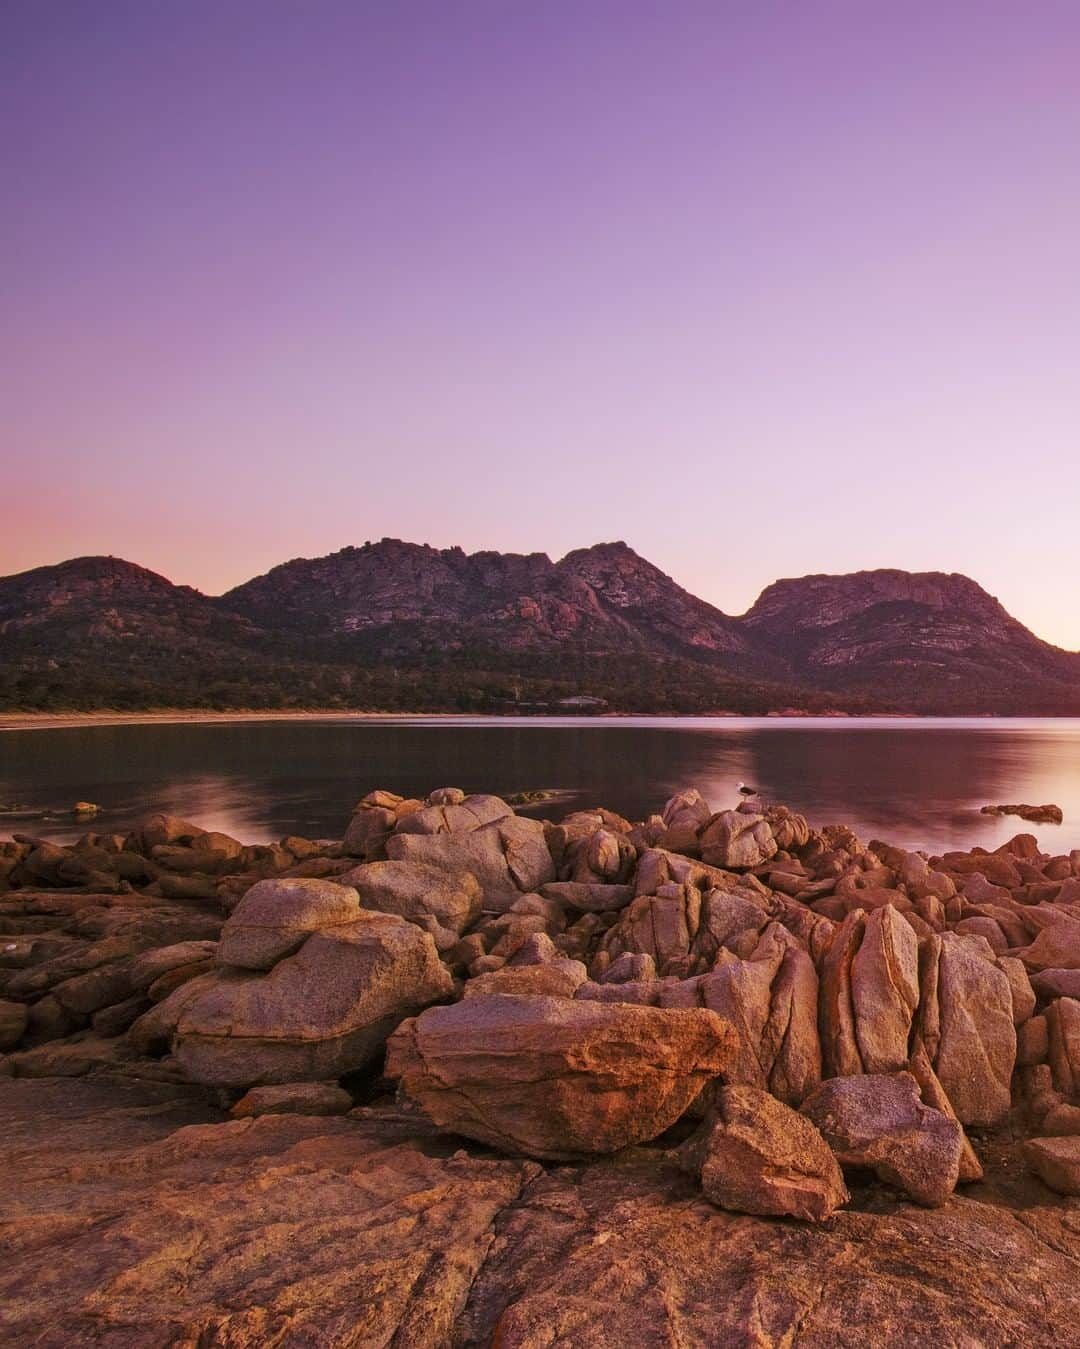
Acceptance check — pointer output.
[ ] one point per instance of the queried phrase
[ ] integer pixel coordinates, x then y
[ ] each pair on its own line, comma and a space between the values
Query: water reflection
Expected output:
919, 783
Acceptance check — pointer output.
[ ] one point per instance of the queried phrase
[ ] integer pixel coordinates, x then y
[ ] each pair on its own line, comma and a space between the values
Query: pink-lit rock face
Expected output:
557, 1078
641, 1004
254, 1229
755, 1155
319, 1013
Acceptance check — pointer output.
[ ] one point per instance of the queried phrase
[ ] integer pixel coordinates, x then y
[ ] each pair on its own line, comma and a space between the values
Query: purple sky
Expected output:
763, 288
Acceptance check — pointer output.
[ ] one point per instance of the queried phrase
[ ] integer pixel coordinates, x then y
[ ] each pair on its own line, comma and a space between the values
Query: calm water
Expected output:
918, 783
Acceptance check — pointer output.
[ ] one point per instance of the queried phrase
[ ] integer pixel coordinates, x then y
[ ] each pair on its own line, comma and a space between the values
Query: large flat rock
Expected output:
554, 1078
136, 1215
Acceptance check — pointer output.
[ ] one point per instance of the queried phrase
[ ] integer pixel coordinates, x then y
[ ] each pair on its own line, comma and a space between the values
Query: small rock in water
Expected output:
1048, 814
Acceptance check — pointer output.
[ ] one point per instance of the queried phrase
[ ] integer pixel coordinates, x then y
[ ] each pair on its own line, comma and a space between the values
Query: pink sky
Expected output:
764, 289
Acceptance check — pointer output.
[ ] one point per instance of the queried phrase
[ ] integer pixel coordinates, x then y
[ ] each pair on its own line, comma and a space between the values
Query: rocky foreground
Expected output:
470, 1078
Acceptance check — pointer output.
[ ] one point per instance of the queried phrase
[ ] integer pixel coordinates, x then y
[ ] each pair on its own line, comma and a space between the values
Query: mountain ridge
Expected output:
391, 620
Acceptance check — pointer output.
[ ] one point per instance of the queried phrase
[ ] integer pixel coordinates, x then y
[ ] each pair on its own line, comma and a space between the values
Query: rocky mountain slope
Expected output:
904, 634
402, 625
403, 596
92, 599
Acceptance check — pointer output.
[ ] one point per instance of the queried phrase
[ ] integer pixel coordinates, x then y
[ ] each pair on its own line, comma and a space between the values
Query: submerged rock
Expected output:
1048, 814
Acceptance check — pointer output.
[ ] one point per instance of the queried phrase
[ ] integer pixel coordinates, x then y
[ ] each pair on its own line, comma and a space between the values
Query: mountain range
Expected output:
404, 626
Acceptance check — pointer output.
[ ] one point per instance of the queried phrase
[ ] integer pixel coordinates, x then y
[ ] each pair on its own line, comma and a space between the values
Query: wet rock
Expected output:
553, 1078
755, 1155
878, 1121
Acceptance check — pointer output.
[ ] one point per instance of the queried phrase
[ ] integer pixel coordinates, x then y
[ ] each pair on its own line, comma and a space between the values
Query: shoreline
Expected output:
31, 721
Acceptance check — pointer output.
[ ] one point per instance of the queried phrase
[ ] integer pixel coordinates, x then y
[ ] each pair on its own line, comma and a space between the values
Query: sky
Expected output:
764, 288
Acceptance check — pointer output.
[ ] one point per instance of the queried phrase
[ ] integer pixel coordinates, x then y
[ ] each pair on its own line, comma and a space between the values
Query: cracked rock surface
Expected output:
137, 1214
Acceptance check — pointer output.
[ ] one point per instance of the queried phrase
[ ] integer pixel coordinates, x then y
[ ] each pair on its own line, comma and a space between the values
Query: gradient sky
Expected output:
762, 288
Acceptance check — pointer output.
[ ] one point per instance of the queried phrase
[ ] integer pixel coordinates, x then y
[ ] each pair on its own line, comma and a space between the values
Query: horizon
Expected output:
767, 293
